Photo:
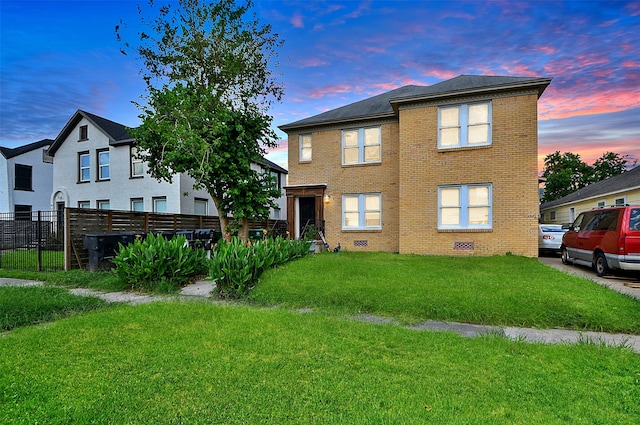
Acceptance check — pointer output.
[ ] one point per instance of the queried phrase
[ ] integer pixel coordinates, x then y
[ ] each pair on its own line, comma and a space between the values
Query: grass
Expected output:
500, 290
106, 281
28, 260
21, 306
200, 363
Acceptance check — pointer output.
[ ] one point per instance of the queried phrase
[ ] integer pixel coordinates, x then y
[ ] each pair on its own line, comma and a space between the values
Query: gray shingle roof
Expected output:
12, 152
384, 105
627, 180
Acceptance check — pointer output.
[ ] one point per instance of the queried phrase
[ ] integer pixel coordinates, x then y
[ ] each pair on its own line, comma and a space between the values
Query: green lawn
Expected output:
500, 290
201, 363
28, 260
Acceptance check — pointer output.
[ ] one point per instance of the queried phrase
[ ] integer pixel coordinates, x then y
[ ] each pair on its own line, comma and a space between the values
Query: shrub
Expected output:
236, 266
158, 264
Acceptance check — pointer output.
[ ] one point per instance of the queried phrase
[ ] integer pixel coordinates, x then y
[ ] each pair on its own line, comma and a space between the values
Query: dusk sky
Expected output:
60, 56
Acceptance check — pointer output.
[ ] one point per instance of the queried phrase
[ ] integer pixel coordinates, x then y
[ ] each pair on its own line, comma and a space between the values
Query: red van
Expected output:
605, 239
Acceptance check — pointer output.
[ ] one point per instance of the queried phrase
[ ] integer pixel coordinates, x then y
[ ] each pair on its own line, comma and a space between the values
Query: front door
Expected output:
307, 210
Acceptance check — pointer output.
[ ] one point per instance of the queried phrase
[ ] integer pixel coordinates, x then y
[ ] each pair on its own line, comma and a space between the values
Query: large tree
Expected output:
208, 71
566, 172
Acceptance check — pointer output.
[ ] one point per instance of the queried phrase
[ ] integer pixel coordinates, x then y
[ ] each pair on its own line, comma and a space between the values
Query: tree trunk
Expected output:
243, 232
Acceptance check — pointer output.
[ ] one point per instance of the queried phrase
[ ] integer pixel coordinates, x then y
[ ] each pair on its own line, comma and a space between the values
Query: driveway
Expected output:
629, 285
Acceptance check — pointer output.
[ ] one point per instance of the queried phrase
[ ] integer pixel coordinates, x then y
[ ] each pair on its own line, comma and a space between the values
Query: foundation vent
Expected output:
361, 243
467, 246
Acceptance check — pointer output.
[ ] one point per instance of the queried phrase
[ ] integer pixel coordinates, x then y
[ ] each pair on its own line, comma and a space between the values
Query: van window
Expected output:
578, 222
634, 219
604, 220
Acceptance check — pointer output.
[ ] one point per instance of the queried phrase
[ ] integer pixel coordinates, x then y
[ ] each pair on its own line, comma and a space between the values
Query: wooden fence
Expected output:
79, 221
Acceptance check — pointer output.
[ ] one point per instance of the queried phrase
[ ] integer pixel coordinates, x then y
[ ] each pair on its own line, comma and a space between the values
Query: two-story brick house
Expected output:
448, 169
95, 166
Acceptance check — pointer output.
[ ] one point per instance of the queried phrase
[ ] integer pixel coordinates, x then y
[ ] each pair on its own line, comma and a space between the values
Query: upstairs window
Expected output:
464, 125
137, 167
464, 207
84, 133
361, 146
84, 167
305, 148
103, 165
23, 179
200, 206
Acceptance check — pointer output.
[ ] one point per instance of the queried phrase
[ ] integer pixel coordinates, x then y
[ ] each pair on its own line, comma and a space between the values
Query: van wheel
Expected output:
601, 265
564, 256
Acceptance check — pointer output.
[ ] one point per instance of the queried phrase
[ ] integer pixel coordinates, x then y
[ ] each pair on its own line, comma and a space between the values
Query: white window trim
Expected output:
624, 201
136, 200
463, 125
201, 201
81, 168
134, 161
552, 215
102, 167
100, 204
603, 202
464, 207
361, 145
361, 211
155, 201
301, 148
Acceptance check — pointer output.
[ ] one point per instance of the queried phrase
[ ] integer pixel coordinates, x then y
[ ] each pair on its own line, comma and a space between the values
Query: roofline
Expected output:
292, 126
540, 83
601, 195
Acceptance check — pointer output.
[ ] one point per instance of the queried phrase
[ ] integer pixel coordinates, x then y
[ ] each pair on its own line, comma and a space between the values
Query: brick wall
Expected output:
509, 164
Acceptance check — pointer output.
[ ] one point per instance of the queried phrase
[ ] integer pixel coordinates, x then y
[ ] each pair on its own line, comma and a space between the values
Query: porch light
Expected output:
327, 198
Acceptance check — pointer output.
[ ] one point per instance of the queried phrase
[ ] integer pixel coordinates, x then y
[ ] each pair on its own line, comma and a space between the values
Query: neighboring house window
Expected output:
23, 177
572, 214
200, 206
602, 204
103, 205
552, 215
464, 125
84, 132
160, 204
464, 207
361, 146
276, 177
84, 167
362, 211
305, 147
22, 212
137, 167
137, 204
103, 165
83, 204
276, 213
620, 201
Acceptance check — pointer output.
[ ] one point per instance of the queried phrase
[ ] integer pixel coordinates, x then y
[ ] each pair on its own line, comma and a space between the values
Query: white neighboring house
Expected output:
26, 178
95, 167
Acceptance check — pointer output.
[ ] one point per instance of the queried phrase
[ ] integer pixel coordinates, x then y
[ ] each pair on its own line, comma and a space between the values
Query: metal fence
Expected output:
32, 241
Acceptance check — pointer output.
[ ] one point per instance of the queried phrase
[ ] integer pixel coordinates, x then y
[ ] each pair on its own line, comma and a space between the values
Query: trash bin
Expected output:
256, 234
102, 247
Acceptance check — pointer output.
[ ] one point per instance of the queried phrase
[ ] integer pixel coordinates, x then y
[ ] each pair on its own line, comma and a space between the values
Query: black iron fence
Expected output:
32, 241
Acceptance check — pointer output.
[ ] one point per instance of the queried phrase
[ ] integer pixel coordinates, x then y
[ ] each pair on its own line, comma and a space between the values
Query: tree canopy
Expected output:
208, 72
566, 172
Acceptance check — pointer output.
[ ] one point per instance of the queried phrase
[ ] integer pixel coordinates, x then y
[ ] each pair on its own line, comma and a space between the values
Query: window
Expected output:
276, 213
602, 204
464, 207
103, 165
23, 177
361, 211
305, 147
83, 204
137, 204
137, 167
200, 206
84, 167
22, 212
160, 204
103, 205
552, 216
464, 125
572, 214
84, 132
620, 201
361, 146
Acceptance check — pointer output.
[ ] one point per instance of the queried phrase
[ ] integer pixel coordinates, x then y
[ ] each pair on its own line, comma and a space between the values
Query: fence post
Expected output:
39, 237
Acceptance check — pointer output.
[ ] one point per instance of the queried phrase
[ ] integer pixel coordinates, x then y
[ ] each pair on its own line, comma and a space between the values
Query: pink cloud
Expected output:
631, 64
440, 74
547, 50
584, 100
373, 49
312, 62
608, 23
296, 21
362, 7
332, 90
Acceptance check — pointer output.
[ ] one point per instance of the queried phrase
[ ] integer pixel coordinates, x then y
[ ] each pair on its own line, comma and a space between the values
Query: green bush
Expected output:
158, 264
236, 266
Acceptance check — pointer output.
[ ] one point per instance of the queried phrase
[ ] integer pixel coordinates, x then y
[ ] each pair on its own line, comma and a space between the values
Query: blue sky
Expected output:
60, 56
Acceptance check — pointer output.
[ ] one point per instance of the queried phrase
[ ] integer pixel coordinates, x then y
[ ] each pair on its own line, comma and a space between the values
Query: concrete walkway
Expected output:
202, 289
